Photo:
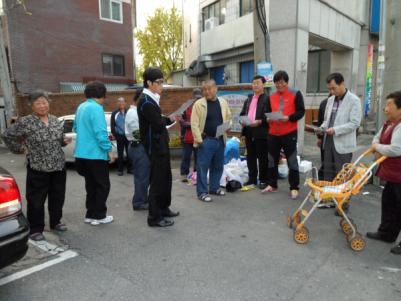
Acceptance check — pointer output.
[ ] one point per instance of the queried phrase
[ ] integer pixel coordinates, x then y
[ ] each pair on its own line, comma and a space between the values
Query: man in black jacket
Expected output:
117, 121
155, 138
254, 128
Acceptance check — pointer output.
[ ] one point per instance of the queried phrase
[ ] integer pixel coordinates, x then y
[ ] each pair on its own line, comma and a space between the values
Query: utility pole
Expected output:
9, 102
133, 21
261, 44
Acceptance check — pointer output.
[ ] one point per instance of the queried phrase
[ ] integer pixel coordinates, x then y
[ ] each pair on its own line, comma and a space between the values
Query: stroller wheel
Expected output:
301, 236
292, 222
357, 243
346, 227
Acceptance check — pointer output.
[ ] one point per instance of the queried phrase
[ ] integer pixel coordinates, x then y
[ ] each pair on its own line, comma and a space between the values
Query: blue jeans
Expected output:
141, 171
210, 157
187, 150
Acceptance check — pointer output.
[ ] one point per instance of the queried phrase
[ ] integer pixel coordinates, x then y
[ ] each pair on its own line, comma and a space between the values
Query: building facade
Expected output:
308, 38
60, 45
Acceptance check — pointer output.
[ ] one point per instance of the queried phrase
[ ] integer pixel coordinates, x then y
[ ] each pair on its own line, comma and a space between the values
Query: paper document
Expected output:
274, 115
182, 109
316, 129
245, 120
222, 128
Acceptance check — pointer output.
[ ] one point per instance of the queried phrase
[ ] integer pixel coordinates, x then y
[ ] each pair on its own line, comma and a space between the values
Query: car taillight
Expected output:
10, 198
111, 138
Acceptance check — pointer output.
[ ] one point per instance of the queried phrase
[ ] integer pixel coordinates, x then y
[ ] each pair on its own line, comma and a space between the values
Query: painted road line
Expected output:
60, 258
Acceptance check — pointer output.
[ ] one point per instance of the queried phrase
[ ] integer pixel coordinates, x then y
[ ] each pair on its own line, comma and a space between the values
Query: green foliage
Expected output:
160, 42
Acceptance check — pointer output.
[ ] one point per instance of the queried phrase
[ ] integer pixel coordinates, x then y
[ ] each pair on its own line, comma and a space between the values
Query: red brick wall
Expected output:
171, 99
63, 41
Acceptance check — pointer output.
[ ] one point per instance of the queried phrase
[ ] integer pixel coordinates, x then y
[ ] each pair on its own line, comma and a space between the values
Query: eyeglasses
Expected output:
159, 81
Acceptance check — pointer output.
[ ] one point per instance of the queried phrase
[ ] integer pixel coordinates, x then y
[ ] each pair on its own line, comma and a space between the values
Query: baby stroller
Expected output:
348, 182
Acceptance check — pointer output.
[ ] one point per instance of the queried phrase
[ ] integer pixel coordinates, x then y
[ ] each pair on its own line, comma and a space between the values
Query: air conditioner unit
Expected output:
211, 23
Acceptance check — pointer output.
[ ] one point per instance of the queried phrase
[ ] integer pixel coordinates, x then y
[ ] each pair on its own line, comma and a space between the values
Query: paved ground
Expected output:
235, 248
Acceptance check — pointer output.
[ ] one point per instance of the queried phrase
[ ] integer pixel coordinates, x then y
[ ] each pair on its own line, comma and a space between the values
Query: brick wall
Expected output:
171, 99
64, 41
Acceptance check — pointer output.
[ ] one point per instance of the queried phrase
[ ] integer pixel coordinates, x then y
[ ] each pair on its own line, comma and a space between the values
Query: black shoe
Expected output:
163, 223
380, 236
120, 173
345, 209
396, 250
262, 186
129, 171
141, 207
169, 213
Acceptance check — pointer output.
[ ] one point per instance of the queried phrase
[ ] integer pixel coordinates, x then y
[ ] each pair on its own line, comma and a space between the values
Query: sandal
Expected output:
396, 250
204, 197
60, 227
269, 189
38, 236
219, 192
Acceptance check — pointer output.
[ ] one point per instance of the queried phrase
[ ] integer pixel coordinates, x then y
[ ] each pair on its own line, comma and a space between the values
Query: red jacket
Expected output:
292, 106
186, 126
389, 169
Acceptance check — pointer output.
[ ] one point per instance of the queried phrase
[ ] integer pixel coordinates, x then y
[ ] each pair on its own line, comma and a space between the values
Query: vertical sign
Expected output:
265, 69
368, 83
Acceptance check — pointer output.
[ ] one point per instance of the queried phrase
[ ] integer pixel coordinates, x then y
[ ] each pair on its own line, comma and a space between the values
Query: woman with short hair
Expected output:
40, 136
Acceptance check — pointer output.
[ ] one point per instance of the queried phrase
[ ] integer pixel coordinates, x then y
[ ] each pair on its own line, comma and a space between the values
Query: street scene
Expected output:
200, 150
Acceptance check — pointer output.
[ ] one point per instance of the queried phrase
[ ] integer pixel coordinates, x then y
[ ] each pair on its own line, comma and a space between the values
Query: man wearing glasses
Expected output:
286, 107
155, 139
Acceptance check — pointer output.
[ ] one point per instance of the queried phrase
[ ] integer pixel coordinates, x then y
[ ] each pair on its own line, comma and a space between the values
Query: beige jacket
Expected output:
198, 118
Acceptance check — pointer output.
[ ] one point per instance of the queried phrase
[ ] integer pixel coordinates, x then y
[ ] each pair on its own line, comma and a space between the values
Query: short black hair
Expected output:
396, 96
138, 93
281, 75
337, 77
95, 89
259, 77
152, 74
37, 94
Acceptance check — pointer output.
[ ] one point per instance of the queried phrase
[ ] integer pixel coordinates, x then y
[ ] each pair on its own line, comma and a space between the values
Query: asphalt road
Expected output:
235, 248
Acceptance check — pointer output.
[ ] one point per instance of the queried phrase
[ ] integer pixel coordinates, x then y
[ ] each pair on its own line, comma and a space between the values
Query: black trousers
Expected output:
289, 144
97, 185
39, 186
332, 161
122, 144
160, 186
256, 151
391, 210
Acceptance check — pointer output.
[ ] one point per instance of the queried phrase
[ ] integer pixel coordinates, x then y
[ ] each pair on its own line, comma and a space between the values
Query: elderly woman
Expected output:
40, 136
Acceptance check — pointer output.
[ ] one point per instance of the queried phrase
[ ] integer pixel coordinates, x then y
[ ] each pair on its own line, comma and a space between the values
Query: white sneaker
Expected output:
94, 222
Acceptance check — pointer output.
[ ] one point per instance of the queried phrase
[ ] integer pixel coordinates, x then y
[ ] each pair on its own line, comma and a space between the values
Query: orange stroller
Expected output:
348, 182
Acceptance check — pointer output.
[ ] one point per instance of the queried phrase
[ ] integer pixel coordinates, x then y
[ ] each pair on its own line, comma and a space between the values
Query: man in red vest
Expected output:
387, 142
286, 107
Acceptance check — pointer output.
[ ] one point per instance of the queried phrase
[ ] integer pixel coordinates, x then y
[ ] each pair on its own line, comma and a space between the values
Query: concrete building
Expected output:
308, 38
60, 45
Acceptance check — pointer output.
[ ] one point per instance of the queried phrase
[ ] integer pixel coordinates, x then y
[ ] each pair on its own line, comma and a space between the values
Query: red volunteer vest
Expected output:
390, 169
280, 128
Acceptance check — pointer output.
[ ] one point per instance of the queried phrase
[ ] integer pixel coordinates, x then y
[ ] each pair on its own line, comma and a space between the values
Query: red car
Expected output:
14, 227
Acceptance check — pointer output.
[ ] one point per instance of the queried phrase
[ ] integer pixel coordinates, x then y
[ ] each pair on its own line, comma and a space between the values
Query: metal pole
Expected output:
381, 64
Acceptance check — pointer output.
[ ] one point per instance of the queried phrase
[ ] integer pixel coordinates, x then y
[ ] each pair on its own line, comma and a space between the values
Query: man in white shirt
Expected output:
139, 160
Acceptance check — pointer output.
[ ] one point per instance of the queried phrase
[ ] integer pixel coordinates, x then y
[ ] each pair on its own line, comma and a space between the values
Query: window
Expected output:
214, 14
113, 65
111, 10
247, 72
318, 70
218, 75
246, 7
